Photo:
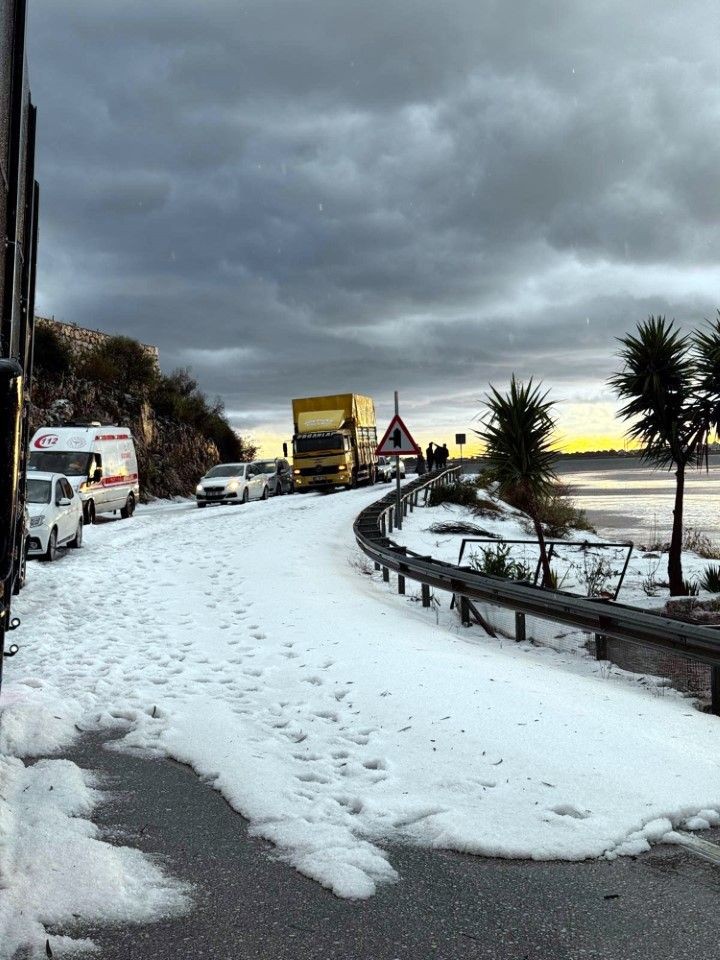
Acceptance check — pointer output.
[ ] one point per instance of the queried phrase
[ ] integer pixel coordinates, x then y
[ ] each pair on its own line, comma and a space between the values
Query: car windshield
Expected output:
38, 491
60, 461
315, 442
226, 470
266, 466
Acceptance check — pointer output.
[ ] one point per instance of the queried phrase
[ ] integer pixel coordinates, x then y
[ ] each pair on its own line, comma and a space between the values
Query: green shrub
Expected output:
120, 363
710, 579
698, 542
497, 562
462, 493
558, 514
52, 357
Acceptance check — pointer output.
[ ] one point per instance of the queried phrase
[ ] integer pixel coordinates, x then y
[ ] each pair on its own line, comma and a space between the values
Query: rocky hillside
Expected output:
178, 433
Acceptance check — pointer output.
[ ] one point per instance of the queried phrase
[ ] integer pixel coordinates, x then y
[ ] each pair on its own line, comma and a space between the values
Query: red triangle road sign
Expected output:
397, 441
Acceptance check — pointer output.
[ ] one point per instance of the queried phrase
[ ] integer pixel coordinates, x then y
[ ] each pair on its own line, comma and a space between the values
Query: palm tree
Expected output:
517, 432
707, 360
666, 412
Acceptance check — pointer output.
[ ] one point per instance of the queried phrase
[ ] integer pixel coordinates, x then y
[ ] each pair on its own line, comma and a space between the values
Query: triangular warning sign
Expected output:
397, 441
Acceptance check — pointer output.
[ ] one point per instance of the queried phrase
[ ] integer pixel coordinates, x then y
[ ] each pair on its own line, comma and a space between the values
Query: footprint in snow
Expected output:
570, 810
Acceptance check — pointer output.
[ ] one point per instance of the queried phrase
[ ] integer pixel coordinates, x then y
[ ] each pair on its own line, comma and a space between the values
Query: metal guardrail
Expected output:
604, 618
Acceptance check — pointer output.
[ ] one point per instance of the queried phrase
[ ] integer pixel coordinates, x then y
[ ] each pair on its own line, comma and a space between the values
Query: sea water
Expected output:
626, 499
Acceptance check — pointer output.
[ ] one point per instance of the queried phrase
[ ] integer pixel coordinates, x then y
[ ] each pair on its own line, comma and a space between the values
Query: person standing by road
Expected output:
430, 457
445, 455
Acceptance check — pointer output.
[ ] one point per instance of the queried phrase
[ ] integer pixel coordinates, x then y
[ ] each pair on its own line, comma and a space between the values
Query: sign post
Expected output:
397, 442
460, 440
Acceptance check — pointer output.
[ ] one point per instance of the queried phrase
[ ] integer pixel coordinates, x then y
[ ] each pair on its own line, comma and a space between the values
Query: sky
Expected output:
302, 197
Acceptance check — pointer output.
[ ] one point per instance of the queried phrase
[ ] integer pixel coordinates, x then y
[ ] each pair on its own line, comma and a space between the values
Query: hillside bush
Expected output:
120, 363
52, 357
710, 580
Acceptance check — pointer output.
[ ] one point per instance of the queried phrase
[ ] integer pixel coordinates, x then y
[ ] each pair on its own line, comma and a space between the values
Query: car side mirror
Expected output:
63, 502
97, 474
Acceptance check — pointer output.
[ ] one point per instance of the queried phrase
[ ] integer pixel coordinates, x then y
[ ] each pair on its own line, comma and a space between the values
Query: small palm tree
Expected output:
517, 432
666, 413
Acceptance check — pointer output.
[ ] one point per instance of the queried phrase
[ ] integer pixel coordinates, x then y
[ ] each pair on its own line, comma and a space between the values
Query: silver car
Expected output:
232, 483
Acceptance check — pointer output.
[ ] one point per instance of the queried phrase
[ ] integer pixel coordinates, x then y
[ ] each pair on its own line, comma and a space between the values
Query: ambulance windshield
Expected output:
72, 464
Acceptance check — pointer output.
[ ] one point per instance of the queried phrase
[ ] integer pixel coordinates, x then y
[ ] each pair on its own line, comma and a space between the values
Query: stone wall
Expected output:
82, 340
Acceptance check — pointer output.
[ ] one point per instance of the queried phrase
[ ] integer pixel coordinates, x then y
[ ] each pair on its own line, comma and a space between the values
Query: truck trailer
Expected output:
334, 442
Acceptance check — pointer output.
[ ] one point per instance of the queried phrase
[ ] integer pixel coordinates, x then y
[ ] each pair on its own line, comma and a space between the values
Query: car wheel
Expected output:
51, 552
245, 496
89, 511
76, 542
129, 509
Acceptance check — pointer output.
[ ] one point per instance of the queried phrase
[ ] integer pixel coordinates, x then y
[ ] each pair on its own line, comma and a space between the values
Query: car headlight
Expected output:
233, 485
199, 488
37, 521
341, 468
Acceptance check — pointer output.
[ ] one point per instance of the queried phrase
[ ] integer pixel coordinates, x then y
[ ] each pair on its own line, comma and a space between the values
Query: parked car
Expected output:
99, 461
56, 514
232, 483
279, 475
386, 469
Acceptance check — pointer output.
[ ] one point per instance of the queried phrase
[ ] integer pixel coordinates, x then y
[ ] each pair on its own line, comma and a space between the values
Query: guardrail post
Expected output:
401, 583
425, 595
464, 611
601, 647
405, 508
383, 526
386, 575
377, 565
715, 690
391, 518
519, 627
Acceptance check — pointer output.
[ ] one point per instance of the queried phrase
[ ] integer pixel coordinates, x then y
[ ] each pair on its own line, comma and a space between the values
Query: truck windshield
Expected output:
38, 491
60, 461
319, 441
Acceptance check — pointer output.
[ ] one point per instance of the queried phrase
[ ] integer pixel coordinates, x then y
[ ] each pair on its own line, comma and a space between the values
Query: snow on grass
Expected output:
332, 713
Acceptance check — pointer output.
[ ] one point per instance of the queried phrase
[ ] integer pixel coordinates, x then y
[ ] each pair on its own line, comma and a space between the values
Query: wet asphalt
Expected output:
249, 905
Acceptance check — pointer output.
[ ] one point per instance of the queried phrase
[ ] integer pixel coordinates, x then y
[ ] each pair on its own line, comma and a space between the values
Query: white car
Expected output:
386, 469
56, 514
233, 483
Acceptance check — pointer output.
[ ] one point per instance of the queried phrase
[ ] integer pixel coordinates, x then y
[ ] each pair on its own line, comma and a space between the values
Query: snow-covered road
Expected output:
249, 643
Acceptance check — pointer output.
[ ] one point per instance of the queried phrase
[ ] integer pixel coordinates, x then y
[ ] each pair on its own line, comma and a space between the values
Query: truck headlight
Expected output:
296, 473
37, 521
341, 468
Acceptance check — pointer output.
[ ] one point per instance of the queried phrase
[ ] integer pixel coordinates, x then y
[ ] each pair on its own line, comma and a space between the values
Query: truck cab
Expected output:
334, 442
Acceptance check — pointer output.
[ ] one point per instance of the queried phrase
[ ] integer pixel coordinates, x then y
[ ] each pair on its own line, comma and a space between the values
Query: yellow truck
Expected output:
334, 441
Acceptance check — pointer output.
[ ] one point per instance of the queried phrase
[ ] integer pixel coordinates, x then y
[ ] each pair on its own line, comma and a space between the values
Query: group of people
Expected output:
436, 457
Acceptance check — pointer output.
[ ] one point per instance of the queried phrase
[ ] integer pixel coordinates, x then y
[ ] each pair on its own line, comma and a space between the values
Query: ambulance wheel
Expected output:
89, 511
129, 509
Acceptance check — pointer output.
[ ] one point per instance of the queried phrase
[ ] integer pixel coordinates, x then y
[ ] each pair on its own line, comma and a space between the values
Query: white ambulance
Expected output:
99, 461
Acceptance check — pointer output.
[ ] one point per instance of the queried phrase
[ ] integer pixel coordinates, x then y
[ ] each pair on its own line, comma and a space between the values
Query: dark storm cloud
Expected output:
300, 197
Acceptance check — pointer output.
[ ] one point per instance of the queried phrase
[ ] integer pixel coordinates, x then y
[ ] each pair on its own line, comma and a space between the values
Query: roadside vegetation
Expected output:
670, 386
179, 432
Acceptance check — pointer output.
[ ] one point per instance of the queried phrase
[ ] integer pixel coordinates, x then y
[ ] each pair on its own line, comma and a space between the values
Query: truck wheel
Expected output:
89, 511
353, 480
129, 509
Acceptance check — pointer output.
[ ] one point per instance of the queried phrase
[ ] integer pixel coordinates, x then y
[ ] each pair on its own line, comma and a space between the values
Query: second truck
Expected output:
334, 441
